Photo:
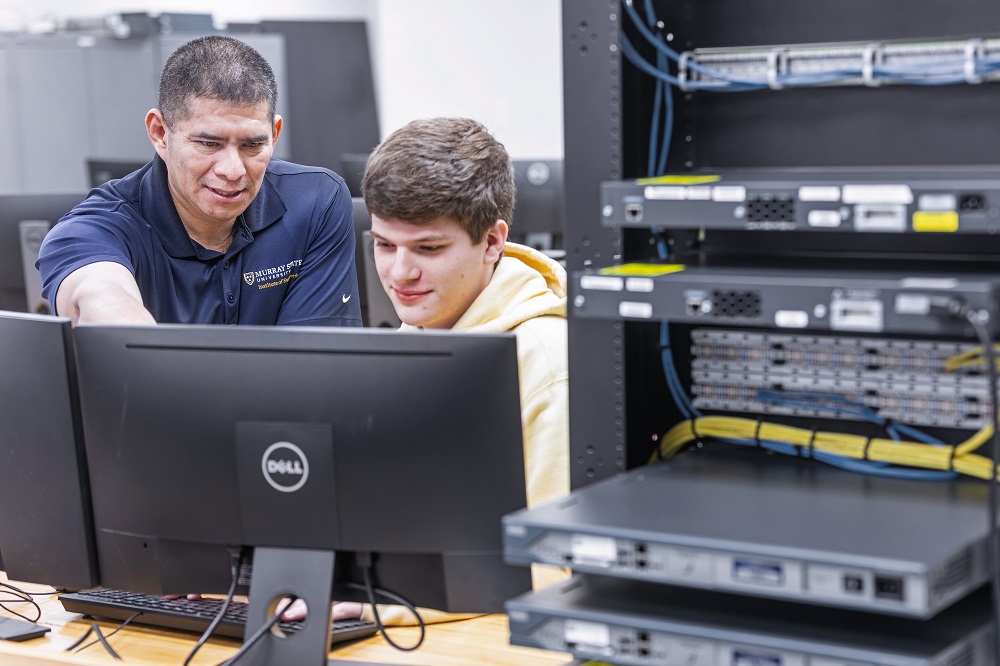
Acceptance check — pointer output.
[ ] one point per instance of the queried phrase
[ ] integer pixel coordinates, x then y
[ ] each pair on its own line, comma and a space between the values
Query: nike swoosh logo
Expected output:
346, 297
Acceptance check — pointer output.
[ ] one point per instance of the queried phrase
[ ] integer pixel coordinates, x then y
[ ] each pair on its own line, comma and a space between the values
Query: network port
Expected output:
889, 588
633, 212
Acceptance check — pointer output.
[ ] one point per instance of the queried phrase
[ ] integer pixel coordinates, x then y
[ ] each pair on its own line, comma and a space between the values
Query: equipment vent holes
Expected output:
770, 209
736, 303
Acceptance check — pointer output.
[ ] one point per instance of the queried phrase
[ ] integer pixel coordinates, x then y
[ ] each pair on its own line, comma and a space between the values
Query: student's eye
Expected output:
382, 245
430, 249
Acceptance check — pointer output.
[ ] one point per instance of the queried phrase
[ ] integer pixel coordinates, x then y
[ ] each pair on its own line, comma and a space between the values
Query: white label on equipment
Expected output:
819, 193
668, 192
638, 284
729, 193
824, 218
701, 193
635, 309
791, 319
928, 283
600, 551
943, 203
587, 633
878, 194
913, 304
601, 283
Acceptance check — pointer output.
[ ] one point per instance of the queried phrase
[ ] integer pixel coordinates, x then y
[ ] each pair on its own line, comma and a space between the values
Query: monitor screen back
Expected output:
24, 221
45, 525
411, 444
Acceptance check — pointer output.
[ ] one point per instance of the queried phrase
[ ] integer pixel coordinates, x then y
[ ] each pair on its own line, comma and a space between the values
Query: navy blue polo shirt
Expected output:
291, 260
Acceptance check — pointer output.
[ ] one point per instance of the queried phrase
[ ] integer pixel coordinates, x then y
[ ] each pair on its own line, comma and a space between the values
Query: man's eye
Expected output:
382, 244
256, 145
431, 248
208, 144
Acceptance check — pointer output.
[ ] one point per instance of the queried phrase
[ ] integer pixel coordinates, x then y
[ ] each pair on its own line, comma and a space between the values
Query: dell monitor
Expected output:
377, 310
100, 171
352, 169
46, 533
24, 221
539, 206
320, 449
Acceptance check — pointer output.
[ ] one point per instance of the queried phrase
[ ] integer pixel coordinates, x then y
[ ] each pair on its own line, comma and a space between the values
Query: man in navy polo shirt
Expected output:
212, 230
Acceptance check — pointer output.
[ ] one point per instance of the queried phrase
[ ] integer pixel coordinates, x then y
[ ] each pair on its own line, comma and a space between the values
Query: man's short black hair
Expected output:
215, 67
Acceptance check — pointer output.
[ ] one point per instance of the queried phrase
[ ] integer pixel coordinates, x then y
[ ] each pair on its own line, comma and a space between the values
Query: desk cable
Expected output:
364, 561
235, 563
253, 640
101, 638
20, 596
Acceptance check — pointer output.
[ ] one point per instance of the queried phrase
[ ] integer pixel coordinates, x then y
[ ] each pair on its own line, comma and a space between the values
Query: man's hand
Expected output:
342, 610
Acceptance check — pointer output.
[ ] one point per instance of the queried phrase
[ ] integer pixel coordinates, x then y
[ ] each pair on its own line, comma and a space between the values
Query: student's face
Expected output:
215, 157
433, 272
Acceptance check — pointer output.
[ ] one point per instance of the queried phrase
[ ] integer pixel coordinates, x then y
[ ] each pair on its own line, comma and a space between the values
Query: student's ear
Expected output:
496, 238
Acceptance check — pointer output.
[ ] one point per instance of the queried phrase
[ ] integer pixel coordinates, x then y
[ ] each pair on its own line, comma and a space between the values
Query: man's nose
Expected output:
229, 164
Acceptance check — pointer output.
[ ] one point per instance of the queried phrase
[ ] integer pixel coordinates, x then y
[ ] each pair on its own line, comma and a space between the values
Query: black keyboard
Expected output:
187, 615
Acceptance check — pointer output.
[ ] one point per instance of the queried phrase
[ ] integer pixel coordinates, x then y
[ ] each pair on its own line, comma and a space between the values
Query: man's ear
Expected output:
496, 238
156, 128
276, 129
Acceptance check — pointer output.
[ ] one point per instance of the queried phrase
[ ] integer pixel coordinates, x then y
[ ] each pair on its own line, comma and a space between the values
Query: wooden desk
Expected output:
477, 641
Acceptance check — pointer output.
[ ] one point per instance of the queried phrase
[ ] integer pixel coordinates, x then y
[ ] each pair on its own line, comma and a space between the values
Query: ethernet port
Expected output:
633, 212
889, 588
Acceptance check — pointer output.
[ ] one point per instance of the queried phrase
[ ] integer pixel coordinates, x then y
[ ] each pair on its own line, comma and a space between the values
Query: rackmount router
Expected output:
769, 526
628, 623
818, 299
881, 200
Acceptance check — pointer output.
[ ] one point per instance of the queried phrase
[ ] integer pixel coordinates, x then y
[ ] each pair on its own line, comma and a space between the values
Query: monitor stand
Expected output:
283, 572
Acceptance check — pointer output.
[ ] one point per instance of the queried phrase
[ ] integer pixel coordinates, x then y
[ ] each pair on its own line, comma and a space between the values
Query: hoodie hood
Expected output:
525, 284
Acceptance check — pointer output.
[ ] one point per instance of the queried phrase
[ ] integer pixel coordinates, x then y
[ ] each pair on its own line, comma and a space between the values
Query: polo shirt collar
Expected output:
158, 209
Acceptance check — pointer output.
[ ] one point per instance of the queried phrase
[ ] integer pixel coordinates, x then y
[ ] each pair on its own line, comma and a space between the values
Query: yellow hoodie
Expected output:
526, 296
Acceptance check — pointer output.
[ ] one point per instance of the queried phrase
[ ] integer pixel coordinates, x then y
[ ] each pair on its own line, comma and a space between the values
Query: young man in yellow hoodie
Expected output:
441, 195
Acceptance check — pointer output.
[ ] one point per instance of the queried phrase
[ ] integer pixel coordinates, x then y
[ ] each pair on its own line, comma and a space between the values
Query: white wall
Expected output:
499, 61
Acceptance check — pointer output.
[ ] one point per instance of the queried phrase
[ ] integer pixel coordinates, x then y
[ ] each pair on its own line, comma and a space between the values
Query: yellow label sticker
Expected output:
645, 270
679, 180
935, 222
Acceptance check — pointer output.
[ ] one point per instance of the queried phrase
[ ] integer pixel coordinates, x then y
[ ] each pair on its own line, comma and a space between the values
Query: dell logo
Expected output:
285, 467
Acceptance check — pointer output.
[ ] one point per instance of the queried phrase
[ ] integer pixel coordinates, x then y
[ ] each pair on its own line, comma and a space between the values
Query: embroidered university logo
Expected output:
248, 278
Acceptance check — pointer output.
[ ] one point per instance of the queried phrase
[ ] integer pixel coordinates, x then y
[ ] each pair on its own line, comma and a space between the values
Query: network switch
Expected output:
768, 526
942, 200
871, 301
632, 624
